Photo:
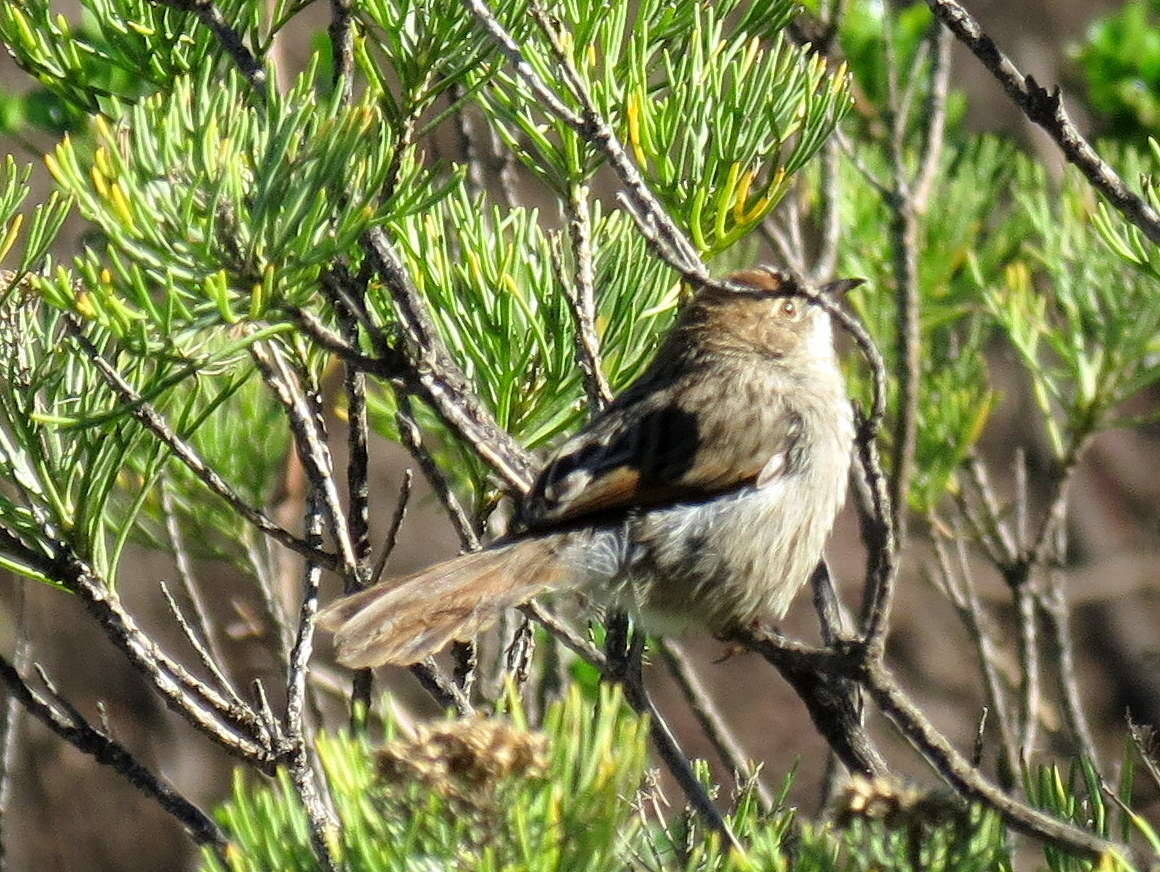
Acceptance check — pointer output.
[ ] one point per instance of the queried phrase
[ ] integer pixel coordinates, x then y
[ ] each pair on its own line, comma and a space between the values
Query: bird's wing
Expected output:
654, 452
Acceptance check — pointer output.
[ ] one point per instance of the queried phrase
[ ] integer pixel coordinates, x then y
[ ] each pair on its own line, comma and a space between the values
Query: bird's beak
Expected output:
840, 287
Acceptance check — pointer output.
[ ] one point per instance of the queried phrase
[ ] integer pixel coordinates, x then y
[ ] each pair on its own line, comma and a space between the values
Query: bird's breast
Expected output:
742, 556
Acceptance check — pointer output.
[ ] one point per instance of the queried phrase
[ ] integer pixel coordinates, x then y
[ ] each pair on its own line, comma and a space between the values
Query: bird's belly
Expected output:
731, 560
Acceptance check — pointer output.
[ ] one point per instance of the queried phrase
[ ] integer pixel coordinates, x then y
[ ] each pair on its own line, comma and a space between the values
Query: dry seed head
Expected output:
892, 802
464, 759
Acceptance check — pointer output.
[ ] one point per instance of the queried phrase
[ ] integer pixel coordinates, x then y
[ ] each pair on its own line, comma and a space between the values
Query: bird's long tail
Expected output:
403, 620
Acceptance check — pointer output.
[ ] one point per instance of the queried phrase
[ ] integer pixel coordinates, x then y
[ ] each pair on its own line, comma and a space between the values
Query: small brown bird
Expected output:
703, 495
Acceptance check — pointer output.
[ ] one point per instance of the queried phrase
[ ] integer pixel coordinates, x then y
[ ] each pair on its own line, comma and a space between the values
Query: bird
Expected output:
701, 496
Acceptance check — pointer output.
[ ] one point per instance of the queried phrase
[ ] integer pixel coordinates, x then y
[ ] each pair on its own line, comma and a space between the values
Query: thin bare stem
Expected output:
10, 728
711, 719
624, 653
576, 644
1046, 109
1028, 652
412, 439
904, 253
958, 771
311, 446
321, 820
341, 32
90, 740
826, 263
1056, 614
357, 487
206, 636
206, 657
233, 728
470, 152
1010, 545
935, 116
582, 298
959, 589
850, 152
392, 539
445, 692
859, 663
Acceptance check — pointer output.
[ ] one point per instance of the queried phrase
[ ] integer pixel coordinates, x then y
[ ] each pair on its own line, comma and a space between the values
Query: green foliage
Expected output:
566, 808
966, 227
1126, 240
1120, 61
414, 50
1084, 798
66, 473
487, 794
1083, 317
47, 219
716, 121
221, 207
120, 51
493, 278
489, 276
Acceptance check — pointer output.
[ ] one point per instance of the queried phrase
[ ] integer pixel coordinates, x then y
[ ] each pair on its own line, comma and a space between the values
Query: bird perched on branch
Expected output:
703, 495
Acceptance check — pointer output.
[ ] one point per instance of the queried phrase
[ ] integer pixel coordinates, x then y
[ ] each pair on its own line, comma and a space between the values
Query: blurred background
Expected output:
66, 813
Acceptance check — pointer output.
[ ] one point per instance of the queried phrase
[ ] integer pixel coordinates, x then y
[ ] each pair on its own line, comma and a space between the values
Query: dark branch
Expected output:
1046, 109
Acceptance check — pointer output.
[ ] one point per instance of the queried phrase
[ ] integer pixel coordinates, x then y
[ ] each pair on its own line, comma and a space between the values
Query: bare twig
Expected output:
88, 739
857, 662
935, 116
473, 159
623, 655
1010, 546
958, 771
1046, 109
1144, 738
319, 817
711, 719
582, 299
207, 658
265, 578
10, 728
310, 443
959, 589
1054, 608
445, 692
412, 439
341, 32
397, 519
206, 636
826, 263
234, 729
570, 640
357, 478
1028, 651
850, 152
904, 252
9, 731
834, 711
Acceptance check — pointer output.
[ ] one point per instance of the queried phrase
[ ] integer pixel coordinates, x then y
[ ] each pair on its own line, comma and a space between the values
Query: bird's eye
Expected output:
788, 308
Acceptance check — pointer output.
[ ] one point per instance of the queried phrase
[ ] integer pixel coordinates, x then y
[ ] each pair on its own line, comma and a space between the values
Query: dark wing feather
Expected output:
650, 449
